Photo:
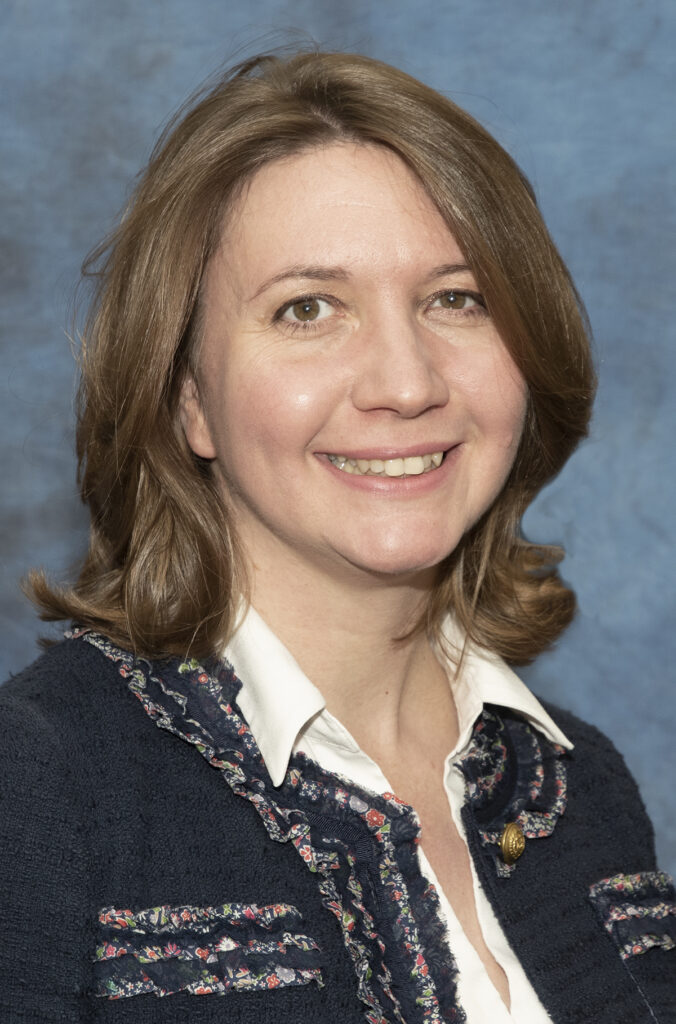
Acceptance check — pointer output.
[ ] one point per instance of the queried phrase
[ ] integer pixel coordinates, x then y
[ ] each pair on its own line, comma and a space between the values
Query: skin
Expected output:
339, 318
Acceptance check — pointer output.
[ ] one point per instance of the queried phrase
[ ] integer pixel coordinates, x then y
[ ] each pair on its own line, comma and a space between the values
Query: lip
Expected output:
393, 453
401, 486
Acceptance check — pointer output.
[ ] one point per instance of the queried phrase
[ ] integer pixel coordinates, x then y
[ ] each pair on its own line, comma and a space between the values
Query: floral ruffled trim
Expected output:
512, 765
361, 847
202, 950
638, 911
376, 868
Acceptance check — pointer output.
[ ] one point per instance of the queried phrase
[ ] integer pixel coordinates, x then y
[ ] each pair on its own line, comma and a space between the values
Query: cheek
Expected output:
511, 406
499, 395
279, 408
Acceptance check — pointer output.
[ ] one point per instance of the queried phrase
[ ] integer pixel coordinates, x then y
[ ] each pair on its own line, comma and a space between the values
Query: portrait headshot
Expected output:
337, 538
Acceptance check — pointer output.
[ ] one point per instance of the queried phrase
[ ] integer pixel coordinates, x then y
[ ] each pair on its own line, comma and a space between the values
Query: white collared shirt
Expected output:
287, 714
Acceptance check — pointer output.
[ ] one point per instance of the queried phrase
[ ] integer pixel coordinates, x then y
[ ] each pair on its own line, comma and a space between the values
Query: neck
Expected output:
345, 633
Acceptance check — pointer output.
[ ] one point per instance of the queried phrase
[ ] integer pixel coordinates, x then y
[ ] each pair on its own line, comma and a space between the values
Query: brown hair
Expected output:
163, 573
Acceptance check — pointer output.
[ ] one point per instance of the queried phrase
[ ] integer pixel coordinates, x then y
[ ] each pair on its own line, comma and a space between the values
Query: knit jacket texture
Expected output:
150, 871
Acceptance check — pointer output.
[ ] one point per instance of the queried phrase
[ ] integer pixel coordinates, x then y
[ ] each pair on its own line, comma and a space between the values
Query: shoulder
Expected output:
78, 739
63, 715
51, 714
58, 678
63, 694
603, 790
591, 746
37, 706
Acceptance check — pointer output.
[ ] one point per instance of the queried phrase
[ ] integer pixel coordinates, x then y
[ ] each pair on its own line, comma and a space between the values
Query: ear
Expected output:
193, 420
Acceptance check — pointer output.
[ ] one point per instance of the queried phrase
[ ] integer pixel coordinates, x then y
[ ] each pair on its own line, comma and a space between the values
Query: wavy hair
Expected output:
163, 573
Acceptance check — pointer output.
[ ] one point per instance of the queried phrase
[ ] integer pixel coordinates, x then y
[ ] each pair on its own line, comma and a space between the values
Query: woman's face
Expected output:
358, 402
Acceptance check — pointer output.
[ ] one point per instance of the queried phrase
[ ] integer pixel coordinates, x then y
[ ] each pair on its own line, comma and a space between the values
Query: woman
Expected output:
333, 356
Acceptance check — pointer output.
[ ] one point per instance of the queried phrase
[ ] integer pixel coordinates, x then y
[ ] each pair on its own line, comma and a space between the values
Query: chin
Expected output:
393, 563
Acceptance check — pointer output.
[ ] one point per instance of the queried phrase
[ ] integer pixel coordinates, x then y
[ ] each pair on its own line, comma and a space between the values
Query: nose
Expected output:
400, 369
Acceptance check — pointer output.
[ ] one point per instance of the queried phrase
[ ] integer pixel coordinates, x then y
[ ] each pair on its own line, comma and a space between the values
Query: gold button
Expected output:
512, 843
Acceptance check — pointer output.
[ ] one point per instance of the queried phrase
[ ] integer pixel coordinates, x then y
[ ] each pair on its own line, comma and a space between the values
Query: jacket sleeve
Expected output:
633, 902
44, 935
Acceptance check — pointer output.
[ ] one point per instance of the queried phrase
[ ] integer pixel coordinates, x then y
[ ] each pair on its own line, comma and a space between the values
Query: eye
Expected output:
460, 300
305, 310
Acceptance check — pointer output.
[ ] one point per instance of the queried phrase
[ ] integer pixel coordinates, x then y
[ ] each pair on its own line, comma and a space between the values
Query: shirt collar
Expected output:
278, 700
484, 678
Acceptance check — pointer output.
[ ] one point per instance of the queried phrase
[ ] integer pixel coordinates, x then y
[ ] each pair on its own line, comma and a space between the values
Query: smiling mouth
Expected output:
415, 465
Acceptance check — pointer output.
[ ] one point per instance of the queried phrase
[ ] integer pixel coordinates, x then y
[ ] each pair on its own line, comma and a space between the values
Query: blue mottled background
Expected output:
581, 93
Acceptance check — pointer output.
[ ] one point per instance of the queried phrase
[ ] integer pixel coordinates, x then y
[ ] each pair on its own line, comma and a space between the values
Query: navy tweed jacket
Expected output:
150, 872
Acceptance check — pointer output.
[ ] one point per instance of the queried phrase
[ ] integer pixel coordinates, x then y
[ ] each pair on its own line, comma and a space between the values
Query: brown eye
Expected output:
308, 312
306, 309
456, 300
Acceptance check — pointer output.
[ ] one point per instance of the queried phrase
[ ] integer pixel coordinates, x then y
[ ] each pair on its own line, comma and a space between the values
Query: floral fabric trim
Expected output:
510, 763
360, 847
202, 950
638, 911
373, 886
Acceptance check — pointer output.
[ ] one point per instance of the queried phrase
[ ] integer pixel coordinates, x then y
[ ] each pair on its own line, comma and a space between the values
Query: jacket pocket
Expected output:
202, 950
638, 911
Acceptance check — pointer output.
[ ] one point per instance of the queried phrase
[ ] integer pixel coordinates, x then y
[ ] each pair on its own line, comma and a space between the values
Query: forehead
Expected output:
350, 202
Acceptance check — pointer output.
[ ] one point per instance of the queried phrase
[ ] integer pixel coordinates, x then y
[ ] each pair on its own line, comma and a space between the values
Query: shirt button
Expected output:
512, 843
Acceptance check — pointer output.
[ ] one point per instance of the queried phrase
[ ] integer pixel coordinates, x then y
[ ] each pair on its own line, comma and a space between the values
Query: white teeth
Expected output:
394, 467
413, 465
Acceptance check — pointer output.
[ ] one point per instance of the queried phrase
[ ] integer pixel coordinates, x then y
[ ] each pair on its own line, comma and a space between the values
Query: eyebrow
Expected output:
316, 272
448, 268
